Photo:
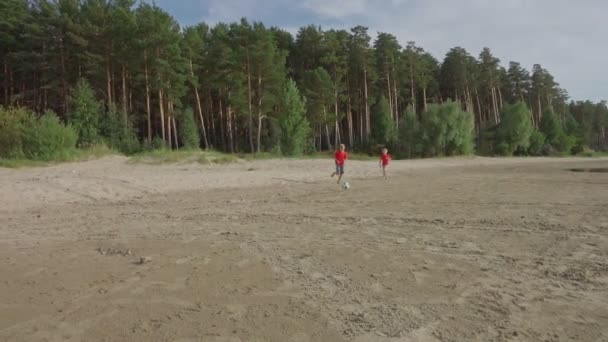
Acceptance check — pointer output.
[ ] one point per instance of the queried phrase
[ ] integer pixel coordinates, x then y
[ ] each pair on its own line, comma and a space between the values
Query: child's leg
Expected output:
340, 171
384, 171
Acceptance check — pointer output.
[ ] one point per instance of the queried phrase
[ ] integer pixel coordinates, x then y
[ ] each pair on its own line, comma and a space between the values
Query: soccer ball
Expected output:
345, 186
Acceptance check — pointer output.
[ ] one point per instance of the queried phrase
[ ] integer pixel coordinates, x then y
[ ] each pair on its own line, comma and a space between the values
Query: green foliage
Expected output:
514, 130
537, 142
565, 143
22, 135
295, 128
383, 128
119, 135
409, 131
85, 113
47, 138
187, 131
13, 122
447, 130
551, 128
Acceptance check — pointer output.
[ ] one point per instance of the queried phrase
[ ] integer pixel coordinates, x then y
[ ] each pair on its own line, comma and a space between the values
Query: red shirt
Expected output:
385, 158
340, 157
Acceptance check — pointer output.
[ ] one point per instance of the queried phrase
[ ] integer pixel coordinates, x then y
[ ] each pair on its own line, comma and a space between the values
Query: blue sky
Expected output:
566, 37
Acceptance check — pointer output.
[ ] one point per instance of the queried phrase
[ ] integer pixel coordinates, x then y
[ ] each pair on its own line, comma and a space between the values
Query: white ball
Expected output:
346, 185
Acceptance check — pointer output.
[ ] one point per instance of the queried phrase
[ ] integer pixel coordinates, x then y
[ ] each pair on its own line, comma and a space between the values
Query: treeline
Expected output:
245, 87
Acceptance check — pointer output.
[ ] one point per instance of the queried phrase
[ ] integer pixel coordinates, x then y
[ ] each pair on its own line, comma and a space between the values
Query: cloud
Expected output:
566, 37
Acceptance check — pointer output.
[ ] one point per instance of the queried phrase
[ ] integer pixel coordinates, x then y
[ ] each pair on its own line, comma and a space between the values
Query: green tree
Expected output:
317, 89
117, 134
409, 134
188, 133
85, 113
551, 128
295, 128
537, 143
514, 130
384, 130
447, 130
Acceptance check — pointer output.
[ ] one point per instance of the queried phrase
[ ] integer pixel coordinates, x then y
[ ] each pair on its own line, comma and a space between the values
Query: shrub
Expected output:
537, 141
12, 124
47, 138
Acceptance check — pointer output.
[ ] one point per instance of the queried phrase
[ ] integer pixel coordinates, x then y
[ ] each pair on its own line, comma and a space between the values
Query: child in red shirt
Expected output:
340, 157
385, 159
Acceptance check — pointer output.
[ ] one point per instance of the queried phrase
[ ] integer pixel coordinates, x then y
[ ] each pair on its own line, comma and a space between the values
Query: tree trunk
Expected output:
6, 101
368, 129
229, 125
390, 96
337, 137
396, 100
327, 135
540, 110
250, 105
148, 106
412, 89
479, 112
260, 117
494, 105
175, 133
124, 96
169, 134
199, 107
349, 118
64, 84
500, 106
109, 76
161, 108
222, 129
212, 119
424, 98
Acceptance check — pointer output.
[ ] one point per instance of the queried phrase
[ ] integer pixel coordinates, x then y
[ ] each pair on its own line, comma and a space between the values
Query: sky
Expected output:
568, 38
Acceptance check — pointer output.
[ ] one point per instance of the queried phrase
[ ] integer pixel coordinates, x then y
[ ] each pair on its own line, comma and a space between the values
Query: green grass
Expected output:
592, 154
166, 156
72, 155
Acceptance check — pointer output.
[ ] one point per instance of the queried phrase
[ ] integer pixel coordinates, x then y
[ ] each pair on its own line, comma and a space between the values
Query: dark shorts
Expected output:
340, 169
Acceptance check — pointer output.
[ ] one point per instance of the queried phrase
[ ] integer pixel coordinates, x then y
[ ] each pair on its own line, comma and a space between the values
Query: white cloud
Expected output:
566, 37
335, 8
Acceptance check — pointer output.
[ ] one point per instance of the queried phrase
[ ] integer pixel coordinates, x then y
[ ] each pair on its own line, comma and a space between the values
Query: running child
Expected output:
340, 157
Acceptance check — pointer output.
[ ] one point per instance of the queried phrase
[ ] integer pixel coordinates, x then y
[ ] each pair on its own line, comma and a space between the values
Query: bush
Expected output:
537, 141
188, 133
24, 135
117, 134
85, 113
565, 143
446, 130
47, 138
12, 124
514, 130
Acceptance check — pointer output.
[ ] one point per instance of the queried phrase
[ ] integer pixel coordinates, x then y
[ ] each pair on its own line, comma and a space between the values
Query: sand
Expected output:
464, 249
